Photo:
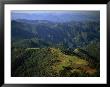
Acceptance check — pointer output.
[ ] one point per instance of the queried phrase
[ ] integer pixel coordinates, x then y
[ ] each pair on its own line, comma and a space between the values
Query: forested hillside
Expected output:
44, 48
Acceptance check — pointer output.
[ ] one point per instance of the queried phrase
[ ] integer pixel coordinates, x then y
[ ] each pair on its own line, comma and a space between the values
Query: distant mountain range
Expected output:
71, 34
58, 16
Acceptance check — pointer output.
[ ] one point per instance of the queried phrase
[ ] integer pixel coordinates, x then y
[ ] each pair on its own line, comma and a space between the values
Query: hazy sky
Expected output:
55, 15
46, 11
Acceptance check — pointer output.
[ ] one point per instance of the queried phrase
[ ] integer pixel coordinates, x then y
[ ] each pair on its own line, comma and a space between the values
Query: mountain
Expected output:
49, 62
42, 48
72, 34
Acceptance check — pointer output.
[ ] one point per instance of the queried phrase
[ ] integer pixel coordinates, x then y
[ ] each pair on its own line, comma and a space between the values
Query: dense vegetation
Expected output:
49, 62
42, 48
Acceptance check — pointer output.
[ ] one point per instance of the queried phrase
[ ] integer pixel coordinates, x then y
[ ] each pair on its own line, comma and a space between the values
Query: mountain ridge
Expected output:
47, 49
